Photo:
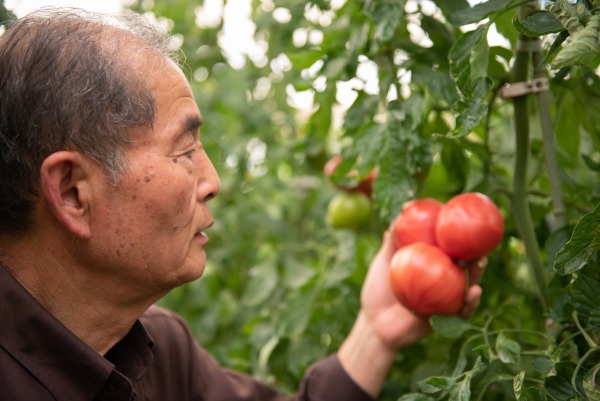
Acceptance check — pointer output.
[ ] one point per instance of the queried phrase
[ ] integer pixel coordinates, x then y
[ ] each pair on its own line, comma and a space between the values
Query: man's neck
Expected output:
96, 310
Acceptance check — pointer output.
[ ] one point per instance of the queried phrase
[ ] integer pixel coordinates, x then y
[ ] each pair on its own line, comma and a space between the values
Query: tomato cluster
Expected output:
351, 208
435, 241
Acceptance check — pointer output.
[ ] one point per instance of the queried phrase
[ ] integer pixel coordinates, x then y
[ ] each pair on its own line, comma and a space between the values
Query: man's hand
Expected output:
384, 326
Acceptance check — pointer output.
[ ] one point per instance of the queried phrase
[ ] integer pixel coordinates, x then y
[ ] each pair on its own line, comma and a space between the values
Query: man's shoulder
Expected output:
163, 324
156, 312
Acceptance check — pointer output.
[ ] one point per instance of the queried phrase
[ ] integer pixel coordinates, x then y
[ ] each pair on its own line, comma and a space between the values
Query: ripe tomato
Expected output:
365, 186
416, 222
349, 210
426, 280
469, 226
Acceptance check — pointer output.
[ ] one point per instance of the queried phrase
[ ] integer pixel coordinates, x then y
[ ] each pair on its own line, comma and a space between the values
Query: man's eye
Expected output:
189, 153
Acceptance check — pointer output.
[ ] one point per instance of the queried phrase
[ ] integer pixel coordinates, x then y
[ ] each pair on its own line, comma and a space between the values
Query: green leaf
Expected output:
584, 242
470, 15
559, 385
439, 84
461, 391
435, 384
387, 18
262, 281
335, 67
509, 351
361, 111
590, 163
582, 47
590, 384
532, 394
469, 58
473, 108
584, 294
305, 58
556, 46
568, 15
538, 24
450, 326
518, 384
485, 354
5, 14
415, 397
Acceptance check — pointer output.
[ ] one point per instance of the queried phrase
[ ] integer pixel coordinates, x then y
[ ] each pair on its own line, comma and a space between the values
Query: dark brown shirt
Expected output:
40, 359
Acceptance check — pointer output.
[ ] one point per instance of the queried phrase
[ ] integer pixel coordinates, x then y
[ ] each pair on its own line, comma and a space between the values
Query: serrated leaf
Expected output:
387, 18
538, 24
361, 111
518, 384
556, 46
559, 385
399, 158
470, 15
435, 384
461, 391
567, 15
584, 242
262, 281
450, 326
439, 84
469, 58
472, 109
582, 47
584, 294
532, 394
484, 352
509, 351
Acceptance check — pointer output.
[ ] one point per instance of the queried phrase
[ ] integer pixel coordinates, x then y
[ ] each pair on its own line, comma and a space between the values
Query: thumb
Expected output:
387, 249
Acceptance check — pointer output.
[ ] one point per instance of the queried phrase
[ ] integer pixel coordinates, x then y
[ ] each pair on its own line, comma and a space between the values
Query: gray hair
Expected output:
67, 83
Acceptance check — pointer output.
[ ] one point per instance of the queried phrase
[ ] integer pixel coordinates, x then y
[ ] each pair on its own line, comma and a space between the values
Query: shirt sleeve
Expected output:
177, 353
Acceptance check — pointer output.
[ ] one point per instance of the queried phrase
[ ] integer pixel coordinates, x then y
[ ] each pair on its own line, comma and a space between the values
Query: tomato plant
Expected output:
435, 99
416, 222
469, 226
364, 186
426, 280
349, 210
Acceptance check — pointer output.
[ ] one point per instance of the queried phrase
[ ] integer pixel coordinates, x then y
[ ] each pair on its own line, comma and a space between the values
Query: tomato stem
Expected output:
583, 332
543, 101
520, 202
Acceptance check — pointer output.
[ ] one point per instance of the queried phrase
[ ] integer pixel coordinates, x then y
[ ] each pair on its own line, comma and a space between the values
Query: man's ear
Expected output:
64, 177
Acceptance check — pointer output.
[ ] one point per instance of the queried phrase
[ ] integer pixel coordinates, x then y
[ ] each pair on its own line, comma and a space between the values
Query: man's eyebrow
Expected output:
192, 124
188, 128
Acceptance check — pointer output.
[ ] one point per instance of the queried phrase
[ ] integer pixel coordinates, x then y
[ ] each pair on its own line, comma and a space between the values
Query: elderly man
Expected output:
105, 189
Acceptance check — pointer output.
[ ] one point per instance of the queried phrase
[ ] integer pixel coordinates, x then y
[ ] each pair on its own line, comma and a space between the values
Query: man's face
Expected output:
150, 227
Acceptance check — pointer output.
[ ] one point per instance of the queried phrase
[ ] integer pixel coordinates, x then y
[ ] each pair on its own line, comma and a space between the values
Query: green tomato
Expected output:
349, 210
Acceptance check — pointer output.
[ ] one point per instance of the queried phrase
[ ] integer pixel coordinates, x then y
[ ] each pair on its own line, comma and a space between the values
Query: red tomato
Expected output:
416, 222
365, 186
469, 226
426, 280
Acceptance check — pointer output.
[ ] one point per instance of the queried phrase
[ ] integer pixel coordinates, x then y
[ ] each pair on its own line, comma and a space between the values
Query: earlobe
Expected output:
63, 179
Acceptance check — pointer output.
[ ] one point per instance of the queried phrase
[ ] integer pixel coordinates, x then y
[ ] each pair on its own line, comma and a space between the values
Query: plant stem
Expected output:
543, 100
520, 73
584, 333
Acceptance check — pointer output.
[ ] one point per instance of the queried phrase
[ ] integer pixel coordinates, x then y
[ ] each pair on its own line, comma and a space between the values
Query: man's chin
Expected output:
192, 269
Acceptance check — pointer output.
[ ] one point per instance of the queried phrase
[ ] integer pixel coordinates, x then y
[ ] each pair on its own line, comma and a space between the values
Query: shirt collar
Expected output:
67, 366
